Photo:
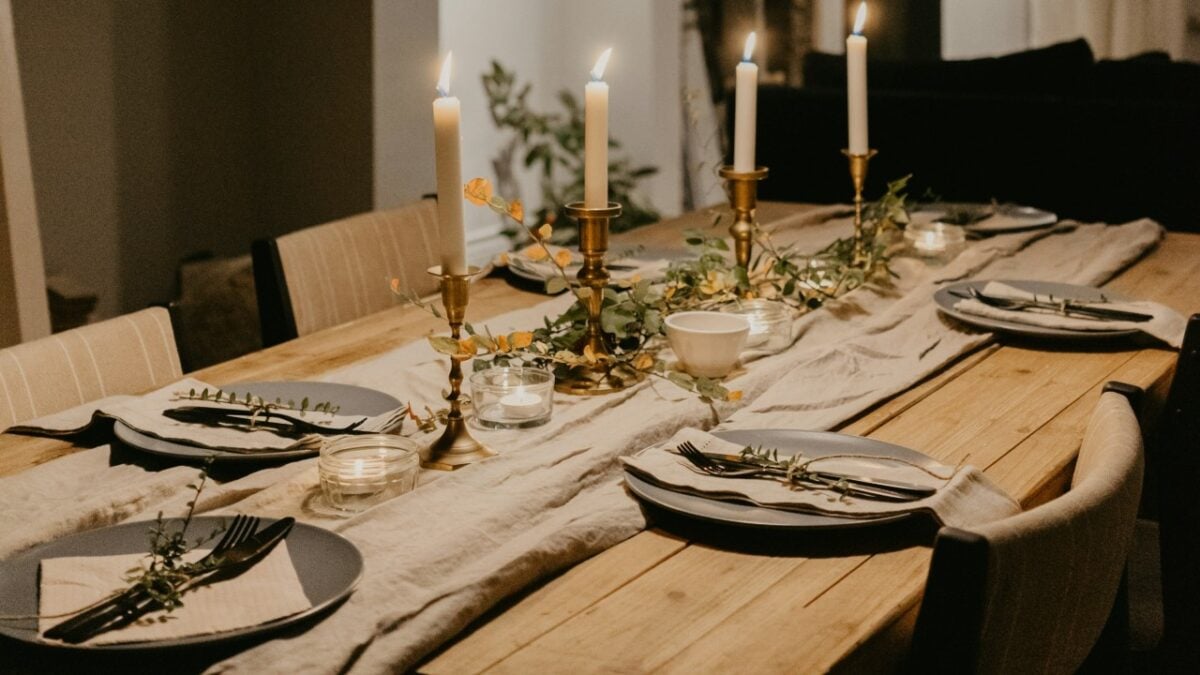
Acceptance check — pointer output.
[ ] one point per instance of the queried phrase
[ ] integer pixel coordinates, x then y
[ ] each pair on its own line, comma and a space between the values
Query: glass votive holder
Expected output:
358, 472
770, 323
936, 241
512, 397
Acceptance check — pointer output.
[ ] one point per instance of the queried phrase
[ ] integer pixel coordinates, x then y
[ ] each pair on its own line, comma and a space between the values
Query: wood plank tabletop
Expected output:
681, 598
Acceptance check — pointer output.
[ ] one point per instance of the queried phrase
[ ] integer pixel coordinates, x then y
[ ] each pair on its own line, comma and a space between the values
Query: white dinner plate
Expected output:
945, 301
788, 442
328, 565
352, 400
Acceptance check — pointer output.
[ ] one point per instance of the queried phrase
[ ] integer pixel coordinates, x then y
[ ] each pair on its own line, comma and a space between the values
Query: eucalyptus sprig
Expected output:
255, 403
165, 571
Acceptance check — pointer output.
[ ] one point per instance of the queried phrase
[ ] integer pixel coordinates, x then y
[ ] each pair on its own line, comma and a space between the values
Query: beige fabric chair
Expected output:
125, 355
333, 273
1033, 592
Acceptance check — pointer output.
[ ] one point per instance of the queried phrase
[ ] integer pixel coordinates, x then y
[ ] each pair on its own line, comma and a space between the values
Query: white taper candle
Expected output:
856, 84
447, 118
746, 110
595, 139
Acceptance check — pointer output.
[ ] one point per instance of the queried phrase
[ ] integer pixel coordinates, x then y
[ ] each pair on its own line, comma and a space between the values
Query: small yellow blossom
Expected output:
502, 343
467, 347
735, 395
395, 285
516, 210
535, 252
643, 362
562, 258
478, 191
545, 231
715, 283
521, 339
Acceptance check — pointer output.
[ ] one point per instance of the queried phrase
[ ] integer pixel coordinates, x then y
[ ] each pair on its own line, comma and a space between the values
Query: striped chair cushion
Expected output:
341, 271
125, 355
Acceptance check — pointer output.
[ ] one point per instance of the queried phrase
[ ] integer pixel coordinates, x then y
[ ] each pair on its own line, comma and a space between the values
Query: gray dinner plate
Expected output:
945, 302
788, 442
351, 399
329, 568
1001, 219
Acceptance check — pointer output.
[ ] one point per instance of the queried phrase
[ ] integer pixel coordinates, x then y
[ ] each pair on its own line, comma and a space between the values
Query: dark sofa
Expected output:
1053, 128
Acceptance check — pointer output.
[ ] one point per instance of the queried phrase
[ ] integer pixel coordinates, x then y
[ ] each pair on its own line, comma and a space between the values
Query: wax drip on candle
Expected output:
601, 64
443, 85
860, 18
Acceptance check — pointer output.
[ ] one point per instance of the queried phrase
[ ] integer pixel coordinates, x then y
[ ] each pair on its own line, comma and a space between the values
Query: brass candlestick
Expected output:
858, 176
455, 447
742, 189
603, 378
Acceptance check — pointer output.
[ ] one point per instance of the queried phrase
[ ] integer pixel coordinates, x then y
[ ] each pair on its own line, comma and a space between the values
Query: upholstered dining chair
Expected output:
125, 355
1034, 592
1175, 472
330, 274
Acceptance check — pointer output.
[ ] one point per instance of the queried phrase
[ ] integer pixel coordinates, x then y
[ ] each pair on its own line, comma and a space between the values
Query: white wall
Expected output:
553, 44
977, 28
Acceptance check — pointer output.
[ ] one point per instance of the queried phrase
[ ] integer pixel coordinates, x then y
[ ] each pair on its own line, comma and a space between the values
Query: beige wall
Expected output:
23, 311
159, 130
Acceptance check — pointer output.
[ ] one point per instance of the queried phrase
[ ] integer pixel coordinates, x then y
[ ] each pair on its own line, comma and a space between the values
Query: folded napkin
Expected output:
1167, 324
964, 496
267, 591
144, 414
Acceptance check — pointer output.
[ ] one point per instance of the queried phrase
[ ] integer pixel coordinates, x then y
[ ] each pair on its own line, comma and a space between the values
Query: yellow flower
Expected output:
589, 354
521, 339
735, 395
715, 283
562, 258
478, 191
516, 210
395, 285
502, 260
545, 231
535, 252
467, 347
643, 362
501, 343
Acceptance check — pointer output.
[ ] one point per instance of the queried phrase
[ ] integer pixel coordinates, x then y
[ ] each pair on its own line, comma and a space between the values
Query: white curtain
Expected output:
702, 154
1113, 28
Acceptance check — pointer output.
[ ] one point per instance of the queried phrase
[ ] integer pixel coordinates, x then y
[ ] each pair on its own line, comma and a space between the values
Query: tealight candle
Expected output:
521, 404
512, 397
357, 472
936, 240
770, 323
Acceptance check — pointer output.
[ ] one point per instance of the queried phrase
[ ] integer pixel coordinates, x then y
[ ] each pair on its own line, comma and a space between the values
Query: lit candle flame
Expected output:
601, 64
443, 85
749, 50
860, 18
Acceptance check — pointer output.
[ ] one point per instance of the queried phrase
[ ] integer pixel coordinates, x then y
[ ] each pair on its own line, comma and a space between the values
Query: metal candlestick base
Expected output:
455, 447
742, 188
593, 243
858, 176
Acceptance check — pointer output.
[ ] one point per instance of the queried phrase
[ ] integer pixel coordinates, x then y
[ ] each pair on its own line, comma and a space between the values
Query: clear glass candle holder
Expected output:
358, 472
512, 397
935, 241
770, 323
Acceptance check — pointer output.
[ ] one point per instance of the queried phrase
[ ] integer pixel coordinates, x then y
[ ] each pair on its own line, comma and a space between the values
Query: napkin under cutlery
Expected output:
269, 590
145, 414
966, 497
1165, 324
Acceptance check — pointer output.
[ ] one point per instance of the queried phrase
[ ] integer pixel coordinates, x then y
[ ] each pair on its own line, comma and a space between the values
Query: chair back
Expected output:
1033, 592
329, 274
125, 355
1175, 461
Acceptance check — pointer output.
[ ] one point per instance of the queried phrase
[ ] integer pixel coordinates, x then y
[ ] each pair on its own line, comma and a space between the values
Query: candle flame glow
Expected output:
860, 18
443, 85
601, 64
749, 50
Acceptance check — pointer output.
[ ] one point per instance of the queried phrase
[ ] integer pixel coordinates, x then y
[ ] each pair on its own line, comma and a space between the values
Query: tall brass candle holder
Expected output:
455, 447
742, 188
604, 377
858, 176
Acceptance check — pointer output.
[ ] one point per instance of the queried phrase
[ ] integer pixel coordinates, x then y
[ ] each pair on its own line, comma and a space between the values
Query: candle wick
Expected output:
442, 93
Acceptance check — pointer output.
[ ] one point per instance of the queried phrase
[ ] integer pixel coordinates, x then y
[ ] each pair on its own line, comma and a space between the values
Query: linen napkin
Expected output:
144, 414
267, 591
1167, 324
964, 496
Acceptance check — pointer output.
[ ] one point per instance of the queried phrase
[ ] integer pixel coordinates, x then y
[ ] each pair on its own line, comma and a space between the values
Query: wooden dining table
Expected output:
686, 597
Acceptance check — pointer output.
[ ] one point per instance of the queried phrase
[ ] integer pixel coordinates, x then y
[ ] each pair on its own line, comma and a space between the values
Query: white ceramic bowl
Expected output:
707, 344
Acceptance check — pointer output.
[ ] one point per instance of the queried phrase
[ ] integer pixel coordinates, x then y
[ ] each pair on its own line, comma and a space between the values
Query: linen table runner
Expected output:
440, 556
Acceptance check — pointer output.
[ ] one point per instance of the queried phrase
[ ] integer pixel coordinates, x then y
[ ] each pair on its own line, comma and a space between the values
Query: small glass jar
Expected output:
358, 472
935, 241
770, 323
512, 397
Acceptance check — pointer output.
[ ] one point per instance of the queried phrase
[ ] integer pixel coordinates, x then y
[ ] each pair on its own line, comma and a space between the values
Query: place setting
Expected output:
203, 580
1058, 311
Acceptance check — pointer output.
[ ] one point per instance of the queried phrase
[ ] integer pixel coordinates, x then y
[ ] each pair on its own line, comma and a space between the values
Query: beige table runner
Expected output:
440, 556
